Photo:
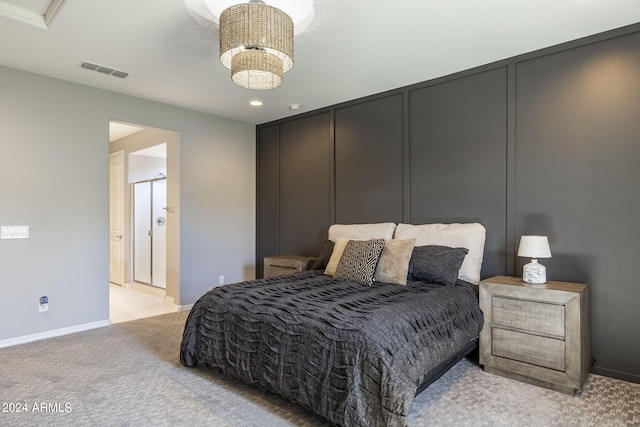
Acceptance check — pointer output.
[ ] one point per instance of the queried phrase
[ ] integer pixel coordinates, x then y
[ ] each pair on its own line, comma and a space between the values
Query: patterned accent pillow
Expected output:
359, 260
436, 264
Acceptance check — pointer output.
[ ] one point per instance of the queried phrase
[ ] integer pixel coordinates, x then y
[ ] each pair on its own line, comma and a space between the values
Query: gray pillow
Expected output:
359, 260
324, 257
436, 264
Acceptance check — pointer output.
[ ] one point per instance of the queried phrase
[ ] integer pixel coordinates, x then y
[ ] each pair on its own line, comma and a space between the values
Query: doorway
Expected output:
148, 159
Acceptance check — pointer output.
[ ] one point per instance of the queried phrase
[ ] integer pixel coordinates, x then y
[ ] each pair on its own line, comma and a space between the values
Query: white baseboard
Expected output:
10, 342
183, 307
177, 307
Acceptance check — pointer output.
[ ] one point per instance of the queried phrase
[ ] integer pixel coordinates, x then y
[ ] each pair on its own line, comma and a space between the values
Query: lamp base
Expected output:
534, 273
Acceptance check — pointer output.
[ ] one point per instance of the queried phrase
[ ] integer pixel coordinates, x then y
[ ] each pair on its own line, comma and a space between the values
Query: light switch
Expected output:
14, 232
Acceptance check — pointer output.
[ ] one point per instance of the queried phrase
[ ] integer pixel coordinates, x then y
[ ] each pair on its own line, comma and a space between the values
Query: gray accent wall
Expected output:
543, 143
577, 179
369, 137
458, 158
54, 177
304, 173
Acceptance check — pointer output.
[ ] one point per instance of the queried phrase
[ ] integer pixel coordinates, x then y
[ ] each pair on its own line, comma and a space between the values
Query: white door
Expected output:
116, 218
142, 232
149, 232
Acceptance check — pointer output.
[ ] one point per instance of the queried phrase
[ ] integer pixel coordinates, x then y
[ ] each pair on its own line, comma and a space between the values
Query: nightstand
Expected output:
286, 264
537, 334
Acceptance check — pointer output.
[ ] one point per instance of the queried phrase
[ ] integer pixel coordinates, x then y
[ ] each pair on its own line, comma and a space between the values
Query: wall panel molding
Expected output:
545, 142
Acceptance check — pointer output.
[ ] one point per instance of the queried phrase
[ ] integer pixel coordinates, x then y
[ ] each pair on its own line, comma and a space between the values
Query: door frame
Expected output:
116, 237
133, 143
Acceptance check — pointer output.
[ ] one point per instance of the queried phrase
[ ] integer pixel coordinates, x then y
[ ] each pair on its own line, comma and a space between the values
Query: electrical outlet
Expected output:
44, 304
220, 280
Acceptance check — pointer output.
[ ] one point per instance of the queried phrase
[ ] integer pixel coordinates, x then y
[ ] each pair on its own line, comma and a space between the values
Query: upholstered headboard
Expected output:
471, 236
383, 230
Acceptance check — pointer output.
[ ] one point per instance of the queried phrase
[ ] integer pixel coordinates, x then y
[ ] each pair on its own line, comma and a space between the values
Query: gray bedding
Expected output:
348, 352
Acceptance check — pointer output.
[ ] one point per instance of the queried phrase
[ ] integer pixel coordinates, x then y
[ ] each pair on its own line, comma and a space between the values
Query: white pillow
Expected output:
383, 230
470, 236
338, 249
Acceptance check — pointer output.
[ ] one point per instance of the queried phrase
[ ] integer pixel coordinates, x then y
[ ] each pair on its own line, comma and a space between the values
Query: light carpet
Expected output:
129, 374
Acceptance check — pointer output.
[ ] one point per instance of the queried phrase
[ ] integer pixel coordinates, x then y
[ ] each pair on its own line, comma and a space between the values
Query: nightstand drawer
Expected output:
536, 317
278, 270
532, 349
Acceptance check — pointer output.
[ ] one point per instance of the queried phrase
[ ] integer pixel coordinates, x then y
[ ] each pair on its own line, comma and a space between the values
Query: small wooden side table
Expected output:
537, 334
286, 264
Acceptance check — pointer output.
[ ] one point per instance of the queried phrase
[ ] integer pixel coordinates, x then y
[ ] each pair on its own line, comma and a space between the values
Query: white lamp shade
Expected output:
534, 247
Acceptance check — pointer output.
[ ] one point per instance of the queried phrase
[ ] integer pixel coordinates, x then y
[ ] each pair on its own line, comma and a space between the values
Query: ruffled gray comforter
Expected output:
348, 352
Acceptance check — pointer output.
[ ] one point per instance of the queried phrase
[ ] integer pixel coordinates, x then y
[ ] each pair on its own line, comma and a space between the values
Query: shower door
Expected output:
149, 232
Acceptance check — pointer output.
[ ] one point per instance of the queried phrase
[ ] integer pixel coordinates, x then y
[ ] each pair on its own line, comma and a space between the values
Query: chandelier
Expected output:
256, 44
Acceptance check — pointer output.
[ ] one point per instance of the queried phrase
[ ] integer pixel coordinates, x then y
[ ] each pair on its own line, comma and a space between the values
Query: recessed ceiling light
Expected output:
256, 103
294, 106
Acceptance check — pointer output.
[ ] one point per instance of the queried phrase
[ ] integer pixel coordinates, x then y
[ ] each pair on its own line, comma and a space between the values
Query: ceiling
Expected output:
119, 130
159, 151
349, 50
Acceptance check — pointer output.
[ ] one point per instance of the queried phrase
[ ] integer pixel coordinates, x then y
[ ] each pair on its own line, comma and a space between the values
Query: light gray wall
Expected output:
54, 177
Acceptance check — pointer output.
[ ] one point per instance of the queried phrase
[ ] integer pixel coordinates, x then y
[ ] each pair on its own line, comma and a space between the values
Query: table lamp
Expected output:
534, 247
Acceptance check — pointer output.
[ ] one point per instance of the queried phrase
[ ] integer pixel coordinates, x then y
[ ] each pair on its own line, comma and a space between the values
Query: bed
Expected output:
355, 351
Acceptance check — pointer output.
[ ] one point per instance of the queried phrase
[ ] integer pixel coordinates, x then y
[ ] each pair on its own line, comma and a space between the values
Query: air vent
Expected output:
89, 66
120, 74
104, 70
